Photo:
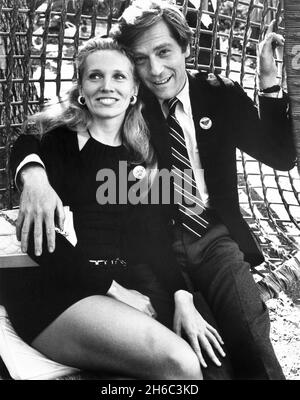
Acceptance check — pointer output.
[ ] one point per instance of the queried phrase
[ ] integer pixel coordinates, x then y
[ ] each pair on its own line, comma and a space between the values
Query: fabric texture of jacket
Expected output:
263, 132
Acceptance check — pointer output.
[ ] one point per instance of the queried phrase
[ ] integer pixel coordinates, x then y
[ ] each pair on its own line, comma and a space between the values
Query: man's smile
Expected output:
162, 81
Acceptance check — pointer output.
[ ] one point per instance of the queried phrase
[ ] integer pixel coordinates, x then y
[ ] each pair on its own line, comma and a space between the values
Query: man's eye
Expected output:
139, 60
164, 52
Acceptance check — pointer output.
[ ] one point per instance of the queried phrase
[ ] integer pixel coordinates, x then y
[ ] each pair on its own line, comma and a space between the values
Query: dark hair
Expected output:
143, 14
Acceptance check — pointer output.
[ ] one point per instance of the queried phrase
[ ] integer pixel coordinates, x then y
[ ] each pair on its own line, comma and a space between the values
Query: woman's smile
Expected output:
106, 101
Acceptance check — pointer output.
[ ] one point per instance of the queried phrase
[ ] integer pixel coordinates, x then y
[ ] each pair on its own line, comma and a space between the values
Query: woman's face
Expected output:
108, 84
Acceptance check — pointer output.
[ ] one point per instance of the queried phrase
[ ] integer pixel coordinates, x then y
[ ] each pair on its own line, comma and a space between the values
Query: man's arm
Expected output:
39, 203
267, 70
24, 146
267, 135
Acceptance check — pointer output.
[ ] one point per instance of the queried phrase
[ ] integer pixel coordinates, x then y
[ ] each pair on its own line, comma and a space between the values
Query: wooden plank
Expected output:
11, 255
16, 261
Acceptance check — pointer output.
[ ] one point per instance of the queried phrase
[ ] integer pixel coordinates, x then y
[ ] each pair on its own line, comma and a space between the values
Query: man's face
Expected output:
160, 61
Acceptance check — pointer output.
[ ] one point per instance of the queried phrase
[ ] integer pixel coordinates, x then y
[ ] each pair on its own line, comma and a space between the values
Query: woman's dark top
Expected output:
36, 296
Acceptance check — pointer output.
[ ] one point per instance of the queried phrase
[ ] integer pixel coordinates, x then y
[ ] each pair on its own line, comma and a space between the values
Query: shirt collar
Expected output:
184, 98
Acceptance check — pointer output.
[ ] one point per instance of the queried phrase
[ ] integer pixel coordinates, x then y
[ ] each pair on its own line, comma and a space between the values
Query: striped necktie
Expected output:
191, 208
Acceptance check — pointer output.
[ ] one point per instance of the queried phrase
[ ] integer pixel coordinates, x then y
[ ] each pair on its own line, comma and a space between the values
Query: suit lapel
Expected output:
215, 150
202, 106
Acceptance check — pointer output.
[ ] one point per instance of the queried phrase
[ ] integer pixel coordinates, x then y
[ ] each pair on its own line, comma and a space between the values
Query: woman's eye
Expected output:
120, 76
95, 75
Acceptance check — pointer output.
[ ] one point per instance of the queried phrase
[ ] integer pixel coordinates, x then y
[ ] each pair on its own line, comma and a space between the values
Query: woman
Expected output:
79, 307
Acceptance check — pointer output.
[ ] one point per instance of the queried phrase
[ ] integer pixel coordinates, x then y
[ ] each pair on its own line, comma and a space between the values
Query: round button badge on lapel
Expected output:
139, 172
205, 123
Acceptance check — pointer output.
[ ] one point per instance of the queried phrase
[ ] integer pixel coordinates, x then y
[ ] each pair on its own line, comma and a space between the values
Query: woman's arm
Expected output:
151, 244
132, 298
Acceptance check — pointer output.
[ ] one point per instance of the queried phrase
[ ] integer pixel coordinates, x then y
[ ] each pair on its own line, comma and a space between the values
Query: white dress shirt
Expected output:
183, 113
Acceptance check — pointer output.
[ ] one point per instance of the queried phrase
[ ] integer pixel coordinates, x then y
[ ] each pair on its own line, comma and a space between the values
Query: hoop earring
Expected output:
81, 100
133, 100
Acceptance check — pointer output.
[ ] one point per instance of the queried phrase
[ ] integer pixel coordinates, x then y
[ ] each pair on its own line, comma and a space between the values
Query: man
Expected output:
215, 116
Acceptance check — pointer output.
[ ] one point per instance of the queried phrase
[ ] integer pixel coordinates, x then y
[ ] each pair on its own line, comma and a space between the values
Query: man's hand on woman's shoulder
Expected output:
39, 205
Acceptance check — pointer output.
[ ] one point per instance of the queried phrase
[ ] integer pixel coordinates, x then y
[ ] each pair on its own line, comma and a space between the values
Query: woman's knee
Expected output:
183, 365
176, 360
167, 356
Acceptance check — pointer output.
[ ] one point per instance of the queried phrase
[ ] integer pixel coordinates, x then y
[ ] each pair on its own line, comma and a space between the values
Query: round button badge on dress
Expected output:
172, 222
205, 123
139, 172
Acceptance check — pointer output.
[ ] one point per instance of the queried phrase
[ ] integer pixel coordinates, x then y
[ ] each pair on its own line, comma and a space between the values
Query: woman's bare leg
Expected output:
103, 334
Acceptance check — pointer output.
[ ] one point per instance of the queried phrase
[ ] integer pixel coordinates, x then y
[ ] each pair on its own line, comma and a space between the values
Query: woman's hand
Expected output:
198, 331
132, 298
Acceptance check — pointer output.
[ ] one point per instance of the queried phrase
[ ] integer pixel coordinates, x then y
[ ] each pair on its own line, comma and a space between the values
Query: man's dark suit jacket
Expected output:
236, 123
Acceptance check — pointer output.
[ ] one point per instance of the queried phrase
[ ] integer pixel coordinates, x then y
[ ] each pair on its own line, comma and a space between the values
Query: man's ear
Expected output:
187, 52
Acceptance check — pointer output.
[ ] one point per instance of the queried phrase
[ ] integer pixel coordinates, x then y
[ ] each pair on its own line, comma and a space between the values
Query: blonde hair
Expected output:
67, 111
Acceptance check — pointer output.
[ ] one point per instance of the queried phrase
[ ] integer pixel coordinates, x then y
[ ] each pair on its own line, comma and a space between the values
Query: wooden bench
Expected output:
22, 362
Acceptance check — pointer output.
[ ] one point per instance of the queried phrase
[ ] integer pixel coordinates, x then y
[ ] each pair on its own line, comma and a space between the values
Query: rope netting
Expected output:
39, 40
